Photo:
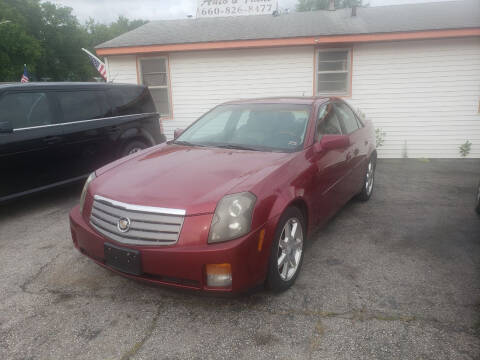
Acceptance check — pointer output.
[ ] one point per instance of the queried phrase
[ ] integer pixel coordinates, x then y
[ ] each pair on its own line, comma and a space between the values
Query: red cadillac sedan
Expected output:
228, 204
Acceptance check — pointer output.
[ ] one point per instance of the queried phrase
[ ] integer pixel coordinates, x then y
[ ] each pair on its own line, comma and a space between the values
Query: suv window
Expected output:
131, 100
350, 123
26, 109
328, 123
83, 105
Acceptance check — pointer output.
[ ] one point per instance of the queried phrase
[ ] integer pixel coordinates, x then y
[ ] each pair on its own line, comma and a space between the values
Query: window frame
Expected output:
317, 121
51, 105
168, 86
348, 91
342, 123
61, 113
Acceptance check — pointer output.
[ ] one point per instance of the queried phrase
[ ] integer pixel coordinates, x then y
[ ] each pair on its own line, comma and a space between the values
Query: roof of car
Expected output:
306, 100
59, 85
368, 20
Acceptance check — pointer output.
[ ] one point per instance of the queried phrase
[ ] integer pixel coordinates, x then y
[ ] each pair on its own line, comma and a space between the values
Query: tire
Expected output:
368, 182
132, 147
280, 278
477, 208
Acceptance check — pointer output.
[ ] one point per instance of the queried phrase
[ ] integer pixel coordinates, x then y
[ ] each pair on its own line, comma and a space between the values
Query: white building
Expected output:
413, 69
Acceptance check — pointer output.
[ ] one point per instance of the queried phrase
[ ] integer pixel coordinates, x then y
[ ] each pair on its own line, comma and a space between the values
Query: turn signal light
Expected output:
219, 275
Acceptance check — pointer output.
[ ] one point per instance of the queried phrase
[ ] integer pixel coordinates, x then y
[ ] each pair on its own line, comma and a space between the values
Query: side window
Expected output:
155, 75
328, 123
83, 105
23, 110
333, 71
127, 100
349, 121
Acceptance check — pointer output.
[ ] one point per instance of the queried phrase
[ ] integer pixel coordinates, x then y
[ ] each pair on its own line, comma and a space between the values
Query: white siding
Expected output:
424, 94
122, 69
201, 80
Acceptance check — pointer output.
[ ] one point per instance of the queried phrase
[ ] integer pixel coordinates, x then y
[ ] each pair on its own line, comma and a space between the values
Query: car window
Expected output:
348, 119
131, 100
211, 130
328, 123
83, 105
26, 109
263, 127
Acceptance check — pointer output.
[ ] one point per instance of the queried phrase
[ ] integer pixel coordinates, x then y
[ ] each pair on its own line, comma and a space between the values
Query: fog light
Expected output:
219, 275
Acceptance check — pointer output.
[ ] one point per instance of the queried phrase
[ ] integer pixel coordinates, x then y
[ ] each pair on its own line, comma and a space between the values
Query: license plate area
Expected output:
122, 259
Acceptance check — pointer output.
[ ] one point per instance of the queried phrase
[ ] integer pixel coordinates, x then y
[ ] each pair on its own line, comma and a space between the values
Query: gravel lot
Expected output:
395, 278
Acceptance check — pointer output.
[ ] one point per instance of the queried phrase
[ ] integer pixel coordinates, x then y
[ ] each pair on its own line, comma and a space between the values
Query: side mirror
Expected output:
5, 127
177, 133
332, 142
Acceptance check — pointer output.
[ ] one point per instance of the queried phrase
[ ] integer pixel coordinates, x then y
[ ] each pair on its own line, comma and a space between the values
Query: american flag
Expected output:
25, 78
100, 66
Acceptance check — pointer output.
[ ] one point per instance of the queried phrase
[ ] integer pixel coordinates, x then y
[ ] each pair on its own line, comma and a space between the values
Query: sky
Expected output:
106, 11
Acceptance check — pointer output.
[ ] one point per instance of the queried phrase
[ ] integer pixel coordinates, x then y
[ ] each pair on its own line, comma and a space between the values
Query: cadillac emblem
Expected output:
123, 224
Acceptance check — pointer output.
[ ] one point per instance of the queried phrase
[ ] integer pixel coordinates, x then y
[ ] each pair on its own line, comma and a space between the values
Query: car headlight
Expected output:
84, 191
232, 218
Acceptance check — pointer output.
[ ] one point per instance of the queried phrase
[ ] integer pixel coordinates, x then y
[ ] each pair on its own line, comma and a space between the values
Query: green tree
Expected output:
99, 33
17, 45
310, 5
48, 38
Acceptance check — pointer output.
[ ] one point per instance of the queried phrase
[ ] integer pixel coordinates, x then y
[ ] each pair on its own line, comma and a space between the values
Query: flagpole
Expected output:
89, 53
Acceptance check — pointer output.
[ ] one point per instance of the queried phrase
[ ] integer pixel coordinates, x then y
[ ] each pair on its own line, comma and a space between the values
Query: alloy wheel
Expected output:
290, 247
370, 178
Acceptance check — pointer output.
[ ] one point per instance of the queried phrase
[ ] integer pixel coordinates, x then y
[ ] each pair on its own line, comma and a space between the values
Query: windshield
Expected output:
262, 127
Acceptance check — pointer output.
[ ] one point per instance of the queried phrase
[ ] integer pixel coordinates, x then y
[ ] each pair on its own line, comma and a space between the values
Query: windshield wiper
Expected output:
185, 143
235, 147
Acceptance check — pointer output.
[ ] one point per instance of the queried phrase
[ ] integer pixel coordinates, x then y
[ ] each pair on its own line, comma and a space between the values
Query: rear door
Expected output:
29, 155
356, 152
85, 116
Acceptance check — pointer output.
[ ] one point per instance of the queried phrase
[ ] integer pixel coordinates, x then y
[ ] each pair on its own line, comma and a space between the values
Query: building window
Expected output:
154, 74
333, 71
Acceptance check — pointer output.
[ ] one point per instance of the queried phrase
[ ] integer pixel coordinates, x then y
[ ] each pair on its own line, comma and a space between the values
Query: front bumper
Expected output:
183, 264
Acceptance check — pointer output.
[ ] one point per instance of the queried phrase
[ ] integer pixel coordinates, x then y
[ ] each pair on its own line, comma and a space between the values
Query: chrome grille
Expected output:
148, 225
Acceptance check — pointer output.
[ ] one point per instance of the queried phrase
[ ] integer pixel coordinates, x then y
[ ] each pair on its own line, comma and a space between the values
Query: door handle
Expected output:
52, 139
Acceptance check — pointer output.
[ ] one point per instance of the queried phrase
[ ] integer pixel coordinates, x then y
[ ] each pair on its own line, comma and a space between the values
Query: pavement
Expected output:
397, 277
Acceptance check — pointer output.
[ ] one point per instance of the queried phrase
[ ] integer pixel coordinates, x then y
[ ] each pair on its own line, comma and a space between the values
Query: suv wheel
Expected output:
133, 147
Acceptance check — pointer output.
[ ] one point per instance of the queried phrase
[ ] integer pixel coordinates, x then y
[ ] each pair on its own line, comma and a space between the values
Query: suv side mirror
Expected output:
177, 133
5, 127
332, 142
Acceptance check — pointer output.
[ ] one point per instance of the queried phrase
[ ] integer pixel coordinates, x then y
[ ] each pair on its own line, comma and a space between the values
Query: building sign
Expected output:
220, 8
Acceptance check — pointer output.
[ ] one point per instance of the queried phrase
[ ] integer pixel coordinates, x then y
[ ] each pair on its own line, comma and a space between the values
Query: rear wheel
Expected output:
369, 181
133, 147
286, 255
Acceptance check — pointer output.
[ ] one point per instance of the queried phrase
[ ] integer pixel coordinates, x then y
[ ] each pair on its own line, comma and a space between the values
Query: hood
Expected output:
182, 177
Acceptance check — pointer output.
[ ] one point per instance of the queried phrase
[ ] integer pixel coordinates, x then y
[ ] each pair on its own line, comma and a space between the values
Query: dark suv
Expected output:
55, 133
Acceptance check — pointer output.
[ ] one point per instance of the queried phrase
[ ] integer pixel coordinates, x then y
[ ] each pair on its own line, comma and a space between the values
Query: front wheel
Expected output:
286, 255
369, 180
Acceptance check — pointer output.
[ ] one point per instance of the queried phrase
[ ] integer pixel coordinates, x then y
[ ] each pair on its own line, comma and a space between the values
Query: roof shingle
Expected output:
369, 20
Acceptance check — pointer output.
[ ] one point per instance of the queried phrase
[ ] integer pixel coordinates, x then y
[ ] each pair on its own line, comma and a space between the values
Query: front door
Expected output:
28, 155
331, 166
